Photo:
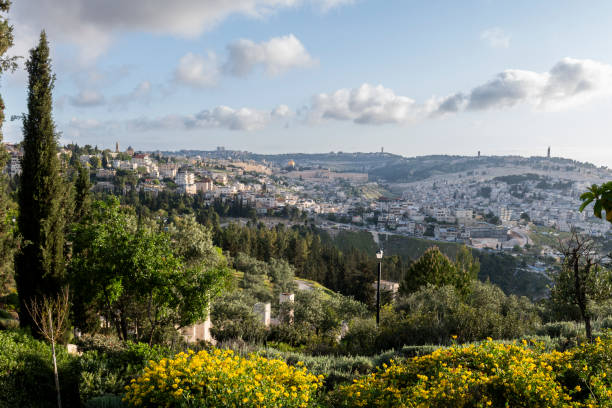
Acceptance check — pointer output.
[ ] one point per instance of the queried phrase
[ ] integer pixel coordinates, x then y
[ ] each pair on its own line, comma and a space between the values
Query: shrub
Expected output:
221, 379
432, 315
335, 369
26, 373
561, 329
360, 338
490, 374
108, 367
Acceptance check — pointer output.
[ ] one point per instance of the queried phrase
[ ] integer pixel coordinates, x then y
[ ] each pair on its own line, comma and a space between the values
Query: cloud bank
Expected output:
92, 24
570, 82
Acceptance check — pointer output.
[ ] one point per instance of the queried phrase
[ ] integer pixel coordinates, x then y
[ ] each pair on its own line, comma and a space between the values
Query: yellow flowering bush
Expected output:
489, 374
222, 379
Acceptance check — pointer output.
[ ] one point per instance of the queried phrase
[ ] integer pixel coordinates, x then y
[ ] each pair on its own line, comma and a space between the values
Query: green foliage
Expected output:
7, 240
233, 319
361, 338
139, 278
360, 240
106, 367
26, 373
435, 268
433, 315
82, 199
602, 197
318, 319
40, 264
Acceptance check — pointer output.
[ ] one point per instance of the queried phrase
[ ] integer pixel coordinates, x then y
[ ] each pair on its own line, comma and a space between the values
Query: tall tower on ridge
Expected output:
116, 147
548, 153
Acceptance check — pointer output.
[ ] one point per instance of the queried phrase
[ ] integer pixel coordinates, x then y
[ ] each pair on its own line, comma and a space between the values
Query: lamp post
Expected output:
379, 256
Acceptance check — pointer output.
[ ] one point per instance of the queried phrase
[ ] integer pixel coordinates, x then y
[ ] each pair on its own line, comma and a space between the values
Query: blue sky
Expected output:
417, 77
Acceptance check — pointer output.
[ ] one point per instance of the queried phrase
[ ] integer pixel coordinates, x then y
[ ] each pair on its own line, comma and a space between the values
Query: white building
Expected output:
184, 178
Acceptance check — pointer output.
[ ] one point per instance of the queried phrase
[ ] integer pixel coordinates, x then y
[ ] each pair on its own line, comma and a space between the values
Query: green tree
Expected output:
39, 265
7, 242
95, 162
233, 319
435, 268
581, 281
139, 279
82, 199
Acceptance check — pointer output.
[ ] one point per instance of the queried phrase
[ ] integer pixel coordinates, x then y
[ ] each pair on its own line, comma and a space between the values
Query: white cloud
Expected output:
574, 82
570, 82
221, 117
87, 98
366, 104
141, 93
197, 70
92, 24
508, 88
276, 55
282, 111
77, 127
495, 37
327, 5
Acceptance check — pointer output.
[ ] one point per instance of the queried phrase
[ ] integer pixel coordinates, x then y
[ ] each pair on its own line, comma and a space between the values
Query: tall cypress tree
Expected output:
39, 265
82, 198
6, 227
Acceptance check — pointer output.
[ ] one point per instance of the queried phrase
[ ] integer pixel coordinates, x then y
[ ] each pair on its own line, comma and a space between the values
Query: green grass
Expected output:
545, 236
317, 285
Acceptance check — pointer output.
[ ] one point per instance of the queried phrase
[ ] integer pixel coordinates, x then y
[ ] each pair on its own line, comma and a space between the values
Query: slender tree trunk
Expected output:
587, 326
55, 374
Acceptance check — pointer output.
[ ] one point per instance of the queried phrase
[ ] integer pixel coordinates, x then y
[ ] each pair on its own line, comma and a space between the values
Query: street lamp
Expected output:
379, 256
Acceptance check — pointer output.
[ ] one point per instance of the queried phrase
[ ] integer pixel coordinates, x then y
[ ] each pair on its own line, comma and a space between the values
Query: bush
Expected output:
221, 379
433, 315
360, 338
108, 367
233, 319
489, 374
26, 373
335, 369
561, 329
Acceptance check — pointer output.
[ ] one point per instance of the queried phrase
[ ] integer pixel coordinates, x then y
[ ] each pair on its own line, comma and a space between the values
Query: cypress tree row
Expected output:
39, 265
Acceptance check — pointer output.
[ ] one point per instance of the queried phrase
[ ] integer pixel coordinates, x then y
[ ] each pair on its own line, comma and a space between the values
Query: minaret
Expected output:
548, 154
479, 154
116, 147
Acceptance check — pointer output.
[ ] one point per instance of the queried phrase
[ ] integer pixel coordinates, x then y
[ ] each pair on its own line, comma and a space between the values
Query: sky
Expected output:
281, 76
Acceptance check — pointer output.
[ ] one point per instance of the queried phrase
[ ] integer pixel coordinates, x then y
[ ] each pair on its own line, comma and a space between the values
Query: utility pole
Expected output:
379, 256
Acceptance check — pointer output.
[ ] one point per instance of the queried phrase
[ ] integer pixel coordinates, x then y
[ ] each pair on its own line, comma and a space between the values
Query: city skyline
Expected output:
282, 76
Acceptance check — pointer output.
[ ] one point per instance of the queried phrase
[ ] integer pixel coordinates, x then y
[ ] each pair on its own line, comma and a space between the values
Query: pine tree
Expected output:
39, 265
6, 227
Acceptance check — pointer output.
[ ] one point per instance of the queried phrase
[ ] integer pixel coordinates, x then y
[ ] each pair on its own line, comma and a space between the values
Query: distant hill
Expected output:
394, 168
